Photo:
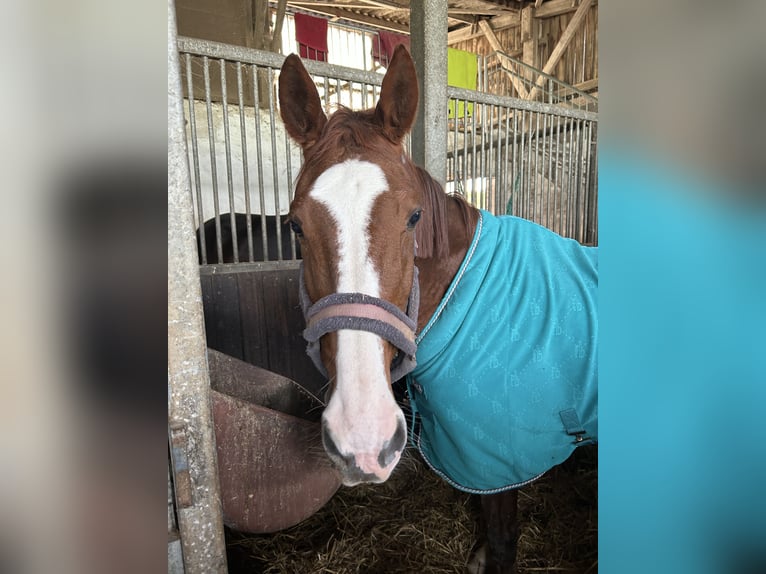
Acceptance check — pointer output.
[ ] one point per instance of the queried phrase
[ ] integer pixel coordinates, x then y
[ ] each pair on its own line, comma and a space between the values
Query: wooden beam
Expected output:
529, 36
472, 13
538, 3
553, 8
587, 85
498, 47
276, 37
358, 5
308, 5
457, 21
562, 45
388, 4
469, 32
481, 7
354, 17
459, 17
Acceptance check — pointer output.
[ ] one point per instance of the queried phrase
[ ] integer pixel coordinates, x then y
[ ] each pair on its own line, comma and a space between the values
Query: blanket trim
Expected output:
469, 490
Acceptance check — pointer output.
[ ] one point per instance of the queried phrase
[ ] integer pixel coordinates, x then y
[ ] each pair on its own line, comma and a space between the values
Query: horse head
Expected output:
358, 213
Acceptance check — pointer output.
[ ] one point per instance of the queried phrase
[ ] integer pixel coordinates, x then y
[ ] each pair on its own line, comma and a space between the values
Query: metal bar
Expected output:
455, 165
227, 149
473, 152
542, 133
532, 106
259, 158
506, 166
566, 159
465, 148
589, 181
195, 158
492, 164
290, 191
559, 181
522, 149
550, 141
272, 60
213, 166
200, 522
586, 182
547, 174
578, 185
530, 175
274, 166
326, 95
593, 173
516, 165
574, 183
247, 267
571, 195
484, 167
538, 203
499, 169
245, 166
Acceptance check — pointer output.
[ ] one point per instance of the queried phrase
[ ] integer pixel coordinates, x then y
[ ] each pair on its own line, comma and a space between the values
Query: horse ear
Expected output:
398, 102
299, 103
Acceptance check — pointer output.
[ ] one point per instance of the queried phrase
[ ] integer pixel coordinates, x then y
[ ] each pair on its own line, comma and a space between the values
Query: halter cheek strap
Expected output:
360, 312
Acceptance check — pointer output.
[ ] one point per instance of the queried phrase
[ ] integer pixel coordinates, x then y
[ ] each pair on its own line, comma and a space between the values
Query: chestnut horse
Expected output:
385, 252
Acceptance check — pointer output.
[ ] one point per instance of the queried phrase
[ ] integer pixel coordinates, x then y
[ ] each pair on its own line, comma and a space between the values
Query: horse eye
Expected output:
414, 218
296, 227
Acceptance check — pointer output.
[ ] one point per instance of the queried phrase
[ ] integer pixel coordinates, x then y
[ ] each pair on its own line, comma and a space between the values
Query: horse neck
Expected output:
436, 273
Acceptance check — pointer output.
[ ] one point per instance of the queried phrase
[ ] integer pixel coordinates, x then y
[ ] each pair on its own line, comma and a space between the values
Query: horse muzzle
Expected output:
369, 466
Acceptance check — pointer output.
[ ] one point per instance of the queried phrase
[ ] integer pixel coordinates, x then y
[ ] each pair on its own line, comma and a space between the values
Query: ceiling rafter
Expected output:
336, 12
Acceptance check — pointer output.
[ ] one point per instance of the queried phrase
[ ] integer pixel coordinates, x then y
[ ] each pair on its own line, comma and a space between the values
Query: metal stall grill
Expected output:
503, 75
525, 158
241, 157
522, 157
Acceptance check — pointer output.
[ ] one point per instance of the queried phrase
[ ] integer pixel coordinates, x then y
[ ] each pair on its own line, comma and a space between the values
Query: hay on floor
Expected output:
415, 523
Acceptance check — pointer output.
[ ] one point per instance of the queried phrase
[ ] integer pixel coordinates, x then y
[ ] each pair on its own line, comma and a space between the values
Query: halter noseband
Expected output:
360, 312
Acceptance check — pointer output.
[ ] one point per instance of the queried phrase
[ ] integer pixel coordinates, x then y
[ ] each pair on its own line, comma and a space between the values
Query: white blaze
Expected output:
362, 414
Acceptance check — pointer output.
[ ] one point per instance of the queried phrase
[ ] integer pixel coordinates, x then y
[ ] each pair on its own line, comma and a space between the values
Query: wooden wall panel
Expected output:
580, 61
255, 315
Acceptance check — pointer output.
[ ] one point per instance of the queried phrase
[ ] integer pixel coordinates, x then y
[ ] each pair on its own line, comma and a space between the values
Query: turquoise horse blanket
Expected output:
506, 382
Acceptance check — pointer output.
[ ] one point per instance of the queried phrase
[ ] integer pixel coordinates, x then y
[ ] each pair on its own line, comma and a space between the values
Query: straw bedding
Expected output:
416, 524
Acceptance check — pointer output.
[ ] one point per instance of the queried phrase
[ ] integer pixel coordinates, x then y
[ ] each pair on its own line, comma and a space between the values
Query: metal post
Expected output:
190, 421
428, 40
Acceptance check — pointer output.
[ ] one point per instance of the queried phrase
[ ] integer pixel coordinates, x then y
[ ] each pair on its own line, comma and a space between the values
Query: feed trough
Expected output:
273, 470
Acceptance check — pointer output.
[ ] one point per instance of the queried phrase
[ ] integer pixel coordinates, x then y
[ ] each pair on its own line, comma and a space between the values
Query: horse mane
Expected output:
432, 233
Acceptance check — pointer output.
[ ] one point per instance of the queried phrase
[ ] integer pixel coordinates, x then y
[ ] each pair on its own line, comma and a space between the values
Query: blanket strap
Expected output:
574, 427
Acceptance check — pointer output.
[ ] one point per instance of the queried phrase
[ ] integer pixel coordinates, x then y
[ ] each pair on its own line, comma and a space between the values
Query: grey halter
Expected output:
361, 312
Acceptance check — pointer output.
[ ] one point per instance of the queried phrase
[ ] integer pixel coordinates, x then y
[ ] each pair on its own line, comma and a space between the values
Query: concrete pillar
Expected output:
190, 421
428, 43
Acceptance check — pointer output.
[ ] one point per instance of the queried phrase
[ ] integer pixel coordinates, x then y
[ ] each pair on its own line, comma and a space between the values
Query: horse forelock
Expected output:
346, 133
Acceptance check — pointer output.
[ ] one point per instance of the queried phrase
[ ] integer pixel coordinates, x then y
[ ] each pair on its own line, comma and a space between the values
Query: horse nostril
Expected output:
393, 446
329, 443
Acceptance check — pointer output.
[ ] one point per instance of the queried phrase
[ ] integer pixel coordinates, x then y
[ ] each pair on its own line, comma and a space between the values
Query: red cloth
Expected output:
384, 45
311, 35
